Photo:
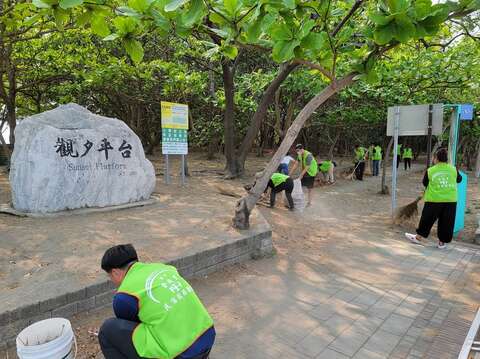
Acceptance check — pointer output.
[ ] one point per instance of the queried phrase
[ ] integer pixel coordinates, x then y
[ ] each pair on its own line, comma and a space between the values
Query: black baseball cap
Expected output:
118, 257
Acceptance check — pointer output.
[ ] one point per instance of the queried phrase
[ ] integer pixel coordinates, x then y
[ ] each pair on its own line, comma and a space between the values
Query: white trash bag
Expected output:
297, 195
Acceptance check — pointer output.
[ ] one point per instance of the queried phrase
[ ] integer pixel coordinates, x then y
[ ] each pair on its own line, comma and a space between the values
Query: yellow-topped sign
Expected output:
174, 115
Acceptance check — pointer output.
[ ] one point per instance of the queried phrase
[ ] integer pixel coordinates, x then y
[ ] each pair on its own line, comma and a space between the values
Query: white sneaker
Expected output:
441, 245
412, 238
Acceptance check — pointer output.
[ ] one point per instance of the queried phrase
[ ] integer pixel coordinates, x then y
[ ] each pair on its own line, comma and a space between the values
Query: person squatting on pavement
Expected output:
157, 313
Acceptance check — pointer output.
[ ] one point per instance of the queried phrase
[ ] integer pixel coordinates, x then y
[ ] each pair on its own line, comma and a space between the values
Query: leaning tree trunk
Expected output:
245, 205
384, 189
257, 120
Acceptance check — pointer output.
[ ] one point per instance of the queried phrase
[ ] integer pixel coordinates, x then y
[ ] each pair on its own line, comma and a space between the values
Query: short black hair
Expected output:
299, 146
118, 257
442, 155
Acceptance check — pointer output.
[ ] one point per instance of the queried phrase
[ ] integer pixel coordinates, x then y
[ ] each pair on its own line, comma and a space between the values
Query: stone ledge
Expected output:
8, 209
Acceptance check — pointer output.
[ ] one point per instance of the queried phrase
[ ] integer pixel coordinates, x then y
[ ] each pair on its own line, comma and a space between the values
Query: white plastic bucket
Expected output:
48, 339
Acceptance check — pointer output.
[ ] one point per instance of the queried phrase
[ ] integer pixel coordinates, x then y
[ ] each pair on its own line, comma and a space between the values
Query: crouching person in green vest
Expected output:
158, 315
326, 168
440, 198
278, 183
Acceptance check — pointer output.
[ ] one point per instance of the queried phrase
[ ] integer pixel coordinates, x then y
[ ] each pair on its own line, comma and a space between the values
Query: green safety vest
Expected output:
313, 170
377, 155
325, 166
278, 178
407, 153
442, 183
399, 150
360, 154
171, 315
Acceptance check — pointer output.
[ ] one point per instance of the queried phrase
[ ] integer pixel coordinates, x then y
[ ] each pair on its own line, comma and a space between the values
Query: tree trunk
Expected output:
384, 189
267, 98
231, 165
477, 164
245, 205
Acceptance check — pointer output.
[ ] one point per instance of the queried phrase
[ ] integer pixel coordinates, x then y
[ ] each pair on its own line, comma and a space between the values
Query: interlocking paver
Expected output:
397, 324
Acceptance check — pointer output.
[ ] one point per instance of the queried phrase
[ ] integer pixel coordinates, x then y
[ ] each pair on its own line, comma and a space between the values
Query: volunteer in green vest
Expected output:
360, 153
309, 170
158, 315
326, 168
280, 182
377, 157
399, 154
407, 157
440, 198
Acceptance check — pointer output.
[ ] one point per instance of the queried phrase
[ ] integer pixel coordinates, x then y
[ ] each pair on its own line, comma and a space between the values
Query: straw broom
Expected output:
408, 211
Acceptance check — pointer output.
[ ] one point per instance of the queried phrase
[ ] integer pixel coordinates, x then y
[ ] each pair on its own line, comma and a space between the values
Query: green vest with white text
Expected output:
171, 316
442, 183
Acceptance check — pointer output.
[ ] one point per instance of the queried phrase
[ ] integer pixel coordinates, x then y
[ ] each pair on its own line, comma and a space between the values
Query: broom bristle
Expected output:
408, 211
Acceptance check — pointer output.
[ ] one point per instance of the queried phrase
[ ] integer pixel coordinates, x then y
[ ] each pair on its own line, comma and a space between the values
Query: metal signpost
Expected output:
415, 120
174, 134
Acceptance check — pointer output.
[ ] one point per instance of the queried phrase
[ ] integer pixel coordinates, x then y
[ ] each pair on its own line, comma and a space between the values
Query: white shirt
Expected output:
286, 160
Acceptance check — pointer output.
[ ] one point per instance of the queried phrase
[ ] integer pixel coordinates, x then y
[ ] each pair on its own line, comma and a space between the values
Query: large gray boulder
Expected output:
70, 158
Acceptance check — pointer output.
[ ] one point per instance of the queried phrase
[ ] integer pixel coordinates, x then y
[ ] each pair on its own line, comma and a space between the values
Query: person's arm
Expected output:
294, 167
125, 306
425, 179
459, 177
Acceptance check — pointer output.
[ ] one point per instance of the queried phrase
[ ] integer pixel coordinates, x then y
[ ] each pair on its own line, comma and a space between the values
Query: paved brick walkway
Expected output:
378, 298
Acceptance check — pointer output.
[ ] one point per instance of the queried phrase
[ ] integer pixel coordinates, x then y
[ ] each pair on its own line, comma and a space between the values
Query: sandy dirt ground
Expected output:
323, 241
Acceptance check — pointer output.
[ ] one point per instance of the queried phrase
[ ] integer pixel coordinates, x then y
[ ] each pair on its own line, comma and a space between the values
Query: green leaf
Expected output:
230, 51
405, 30
134, 49
140, 5
31, 20
84, 18
174, 5
379, 19
254, 30
111, 37
280, 31
383, 34
125, 25
397, 6
67, 4
305, 29
127, 11
194, 13
216, 18
99, 26
40, 4
290, 4
284, 50
422, 8
372, 77
314, 41
162, 22
230, 6
61, 16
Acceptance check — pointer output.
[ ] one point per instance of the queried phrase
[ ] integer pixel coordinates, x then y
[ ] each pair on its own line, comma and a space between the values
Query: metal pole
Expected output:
167, 170
395, 155
183, 170
429, 128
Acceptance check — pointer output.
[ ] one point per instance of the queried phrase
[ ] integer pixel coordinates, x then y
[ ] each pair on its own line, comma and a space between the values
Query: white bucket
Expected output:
48, 339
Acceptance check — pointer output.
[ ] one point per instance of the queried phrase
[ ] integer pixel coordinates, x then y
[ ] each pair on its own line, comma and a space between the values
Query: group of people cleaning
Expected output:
158, 314
281, 180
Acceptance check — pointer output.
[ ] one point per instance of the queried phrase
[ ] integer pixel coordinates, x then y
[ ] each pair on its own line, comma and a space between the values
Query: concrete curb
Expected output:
252, 245
8, 209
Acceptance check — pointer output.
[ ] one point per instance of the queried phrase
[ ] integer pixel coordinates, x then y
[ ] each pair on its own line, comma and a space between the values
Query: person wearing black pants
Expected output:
359, 170
286, 186
440, 198
407, 161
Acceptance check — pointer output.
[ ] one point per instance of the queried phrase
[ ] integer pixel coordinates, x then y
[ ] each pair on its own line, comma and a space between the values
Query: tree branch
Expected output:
316, 67
354, 8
